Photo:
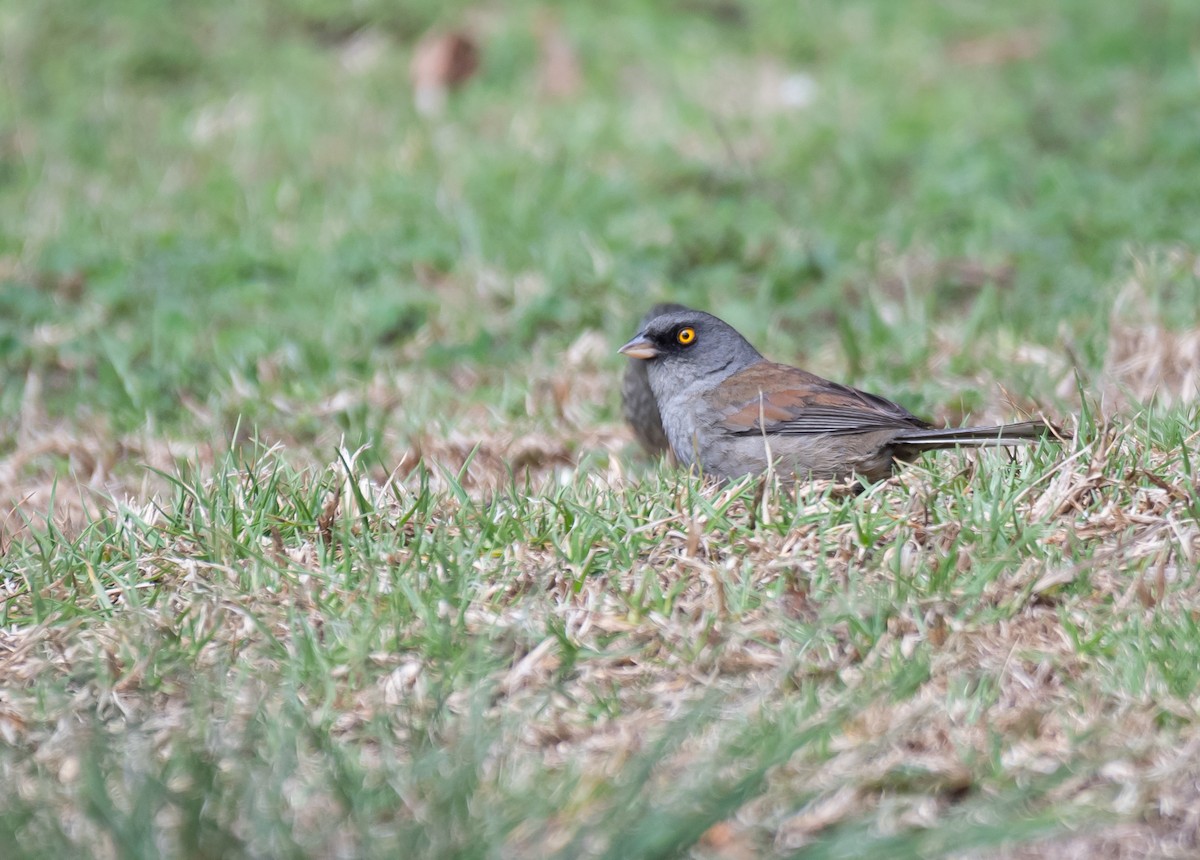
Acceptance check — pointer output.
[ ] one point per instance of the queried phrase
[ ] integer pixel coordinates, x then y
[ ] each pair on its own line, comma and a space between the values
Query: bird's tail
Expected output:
997, 435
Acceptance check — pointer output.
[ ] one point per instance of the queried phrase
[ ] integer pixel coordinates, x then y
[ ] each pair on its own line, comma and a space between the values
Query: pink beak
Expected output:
639, 347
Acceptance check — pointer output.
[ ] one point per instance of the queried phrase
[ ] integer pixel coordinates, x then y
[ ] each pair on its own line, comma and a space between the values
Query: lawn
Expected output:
320, 532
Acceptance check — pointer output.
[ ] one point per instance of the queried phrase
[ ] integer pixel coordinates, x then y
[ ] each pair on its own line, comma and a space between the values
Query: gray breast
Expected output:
681, 408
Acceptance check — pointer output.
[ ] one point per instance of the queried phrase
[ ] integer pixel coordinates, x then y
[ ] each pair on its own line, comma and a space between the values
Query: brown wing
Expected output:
776, 398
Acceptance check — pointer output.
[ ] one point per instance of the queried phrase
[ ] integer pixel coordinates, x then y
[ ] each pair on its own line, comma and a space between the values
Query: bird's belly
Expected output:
801, 457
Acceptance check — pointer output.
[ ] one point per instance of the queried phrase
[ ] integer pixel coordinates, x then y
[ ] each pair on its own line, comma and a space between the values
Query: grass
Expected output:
320, 535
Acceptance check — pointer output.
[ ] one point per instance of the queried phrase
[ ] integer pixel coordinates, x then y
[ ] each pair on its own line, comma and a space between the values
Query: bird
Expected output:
638, 405
729, 412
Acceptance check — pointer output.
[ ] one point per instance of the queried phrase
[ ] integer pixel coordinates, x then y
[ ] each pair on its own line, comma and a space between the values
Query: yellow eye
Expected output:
686, 336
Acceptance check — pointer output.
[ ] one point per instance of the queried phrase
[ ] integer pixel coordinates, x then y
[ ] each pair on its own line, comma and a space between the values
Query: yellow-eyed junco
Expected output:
731, 412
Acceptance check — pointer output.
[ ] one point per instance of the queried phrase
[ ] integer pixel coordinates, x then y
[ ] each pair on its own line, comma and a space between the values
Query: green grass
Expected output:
232, 253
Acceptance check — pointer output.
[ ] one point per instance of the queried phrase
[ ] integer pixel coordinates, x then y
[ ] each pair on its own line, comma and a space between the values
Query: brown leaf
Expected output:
442, 61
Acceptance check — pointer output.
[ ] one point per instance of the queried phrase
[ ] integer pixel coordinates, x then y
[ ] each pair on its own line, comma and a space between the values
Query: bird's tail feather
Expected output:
1022, 433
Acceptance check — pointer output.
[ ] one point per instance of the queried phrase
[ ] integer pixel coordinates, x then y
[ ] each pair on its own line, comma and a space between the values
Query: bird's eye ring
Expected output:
686, 336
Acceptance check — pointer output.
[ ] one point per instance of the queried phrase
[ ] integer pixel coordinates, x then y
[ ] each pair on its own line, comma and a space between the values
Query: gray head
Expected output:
682, 347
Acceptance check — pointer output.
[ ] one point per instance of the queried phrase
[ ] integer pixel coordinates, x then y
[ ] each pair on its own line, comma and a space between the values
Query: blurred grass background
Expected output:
196, 193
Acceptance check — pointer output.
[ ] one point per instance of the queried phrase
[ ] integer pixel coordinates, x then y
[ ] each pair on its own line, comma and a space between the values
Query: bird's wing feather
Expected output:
775, 398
